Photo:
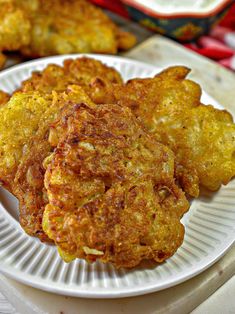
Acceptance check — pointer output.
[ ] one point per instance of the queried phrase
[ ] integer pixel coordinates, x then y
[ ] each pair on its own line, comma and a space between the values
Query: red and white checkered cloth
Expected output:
219, 45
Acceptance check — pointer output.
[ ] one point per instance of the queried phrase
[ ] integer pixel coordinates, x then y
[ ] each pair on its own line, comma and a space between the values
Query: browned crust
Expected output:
111, 188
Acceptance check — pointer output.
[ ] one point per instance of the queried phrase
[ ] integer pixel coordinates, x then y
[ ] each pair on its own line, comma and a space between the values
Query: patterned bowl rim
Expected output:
155, 14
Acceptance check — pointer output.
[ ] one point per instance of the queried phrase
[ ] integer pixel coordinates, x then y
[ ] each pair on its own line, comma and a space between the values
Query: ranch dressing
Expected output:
180, 6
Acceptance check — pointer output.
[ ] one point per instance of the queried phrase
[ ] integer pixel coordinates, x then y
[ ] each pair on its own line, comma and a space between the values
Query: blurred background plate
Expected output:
209, 228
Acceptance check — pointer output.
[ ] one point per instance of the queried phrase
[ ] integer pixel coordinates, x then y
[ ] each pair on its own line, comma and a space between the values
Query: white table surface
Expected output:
220, 302
215, 304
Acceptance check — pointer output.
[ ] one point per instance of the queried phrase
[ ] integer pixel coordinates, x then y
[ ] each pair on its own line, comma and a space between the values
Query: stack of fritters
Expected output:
24, 129
101, 168
39, 28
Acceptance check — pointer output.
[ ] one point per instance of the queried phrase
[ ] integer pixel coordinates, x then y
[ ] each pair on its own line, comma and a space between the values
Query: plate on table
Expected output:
209, 227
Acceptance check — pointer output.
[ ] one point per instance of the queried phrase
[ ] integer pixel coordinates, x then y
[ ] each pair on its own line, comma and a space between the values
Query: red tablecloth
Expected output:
219, 45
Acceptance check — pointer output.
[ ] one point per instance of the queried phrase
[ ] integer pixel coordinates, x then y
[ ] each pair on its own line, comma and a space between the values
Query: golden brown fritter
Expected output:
29, 178
19, 121
48, 27
111, 189
202, 137
4, 97
14, 26
72, 26
93, 76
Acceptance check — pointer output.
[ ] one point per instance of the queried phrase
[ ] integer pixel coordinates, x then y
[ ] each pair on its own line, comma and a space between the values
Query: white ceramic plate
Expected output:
209, 228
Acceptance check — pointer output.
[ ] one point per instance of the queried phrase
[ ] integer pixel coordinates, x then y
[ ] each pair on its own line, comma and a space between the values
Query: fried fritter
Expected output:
111, 189
29, 178
14, 27
48, 27
19, 121
94, 77
202, 137
73, 26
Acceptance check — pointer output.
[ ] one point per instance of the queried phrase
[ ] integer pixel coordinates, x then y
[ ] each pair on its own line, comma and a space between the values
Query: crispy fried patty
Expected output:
202, 137
111, 189
50, 27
